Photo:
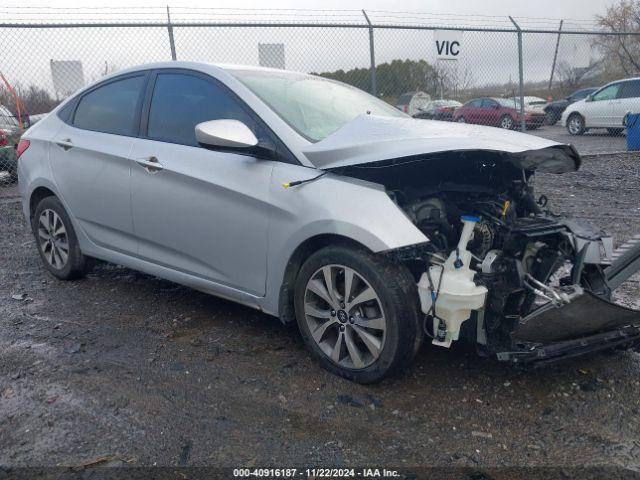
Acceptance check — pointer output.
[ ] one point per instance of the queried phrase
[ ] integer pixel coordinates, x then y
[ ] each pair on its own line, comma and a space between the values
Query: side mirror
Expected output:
225, 133
589, 98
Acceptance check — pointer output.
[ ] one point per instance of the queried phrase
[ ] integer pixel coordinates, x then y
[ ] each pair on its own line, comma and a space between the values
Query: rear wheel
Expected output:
575, 124
12, 171
56, 240
358, 313
552, 118
507, 122
13, 176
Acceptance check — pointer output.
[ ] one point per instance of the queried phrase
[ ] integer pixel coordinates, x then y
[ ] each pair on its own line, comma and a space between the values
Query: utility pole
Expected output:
555, 55
523, 125
172, 43
372, 54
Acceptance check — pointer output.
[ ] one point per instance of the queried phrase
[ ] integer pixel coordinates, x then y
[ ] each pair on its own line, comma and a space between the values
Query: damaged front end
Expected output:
500, 267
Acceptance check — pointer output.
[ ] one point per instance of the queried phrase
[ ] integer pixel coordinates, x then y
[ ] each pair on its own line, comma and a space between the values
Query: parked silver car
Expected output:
313, 201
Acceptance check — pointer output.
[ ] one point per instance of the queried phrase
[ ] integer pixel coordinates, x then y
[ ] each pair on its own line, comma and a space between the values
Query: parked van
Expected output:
604, 108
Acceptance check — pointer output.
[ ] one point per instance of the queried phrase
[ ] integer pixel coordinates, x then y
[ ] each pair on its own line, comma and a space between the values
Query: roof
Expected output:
408, 95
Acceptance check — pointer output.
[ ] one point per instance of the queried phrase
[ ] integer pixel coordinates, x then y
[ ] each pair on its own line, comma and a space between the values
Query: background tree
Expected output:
621, 52
394, 78
34, 99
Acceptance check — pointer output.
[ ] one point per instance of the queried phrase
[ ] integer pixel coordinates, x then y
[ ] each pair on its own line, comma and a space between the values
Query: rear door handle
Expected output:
150, 164
65, 144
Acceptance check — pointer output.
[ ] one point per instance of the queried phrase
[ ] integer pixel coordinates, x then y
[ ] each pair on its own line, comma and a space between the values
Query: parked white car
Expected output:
605, 108
534, 103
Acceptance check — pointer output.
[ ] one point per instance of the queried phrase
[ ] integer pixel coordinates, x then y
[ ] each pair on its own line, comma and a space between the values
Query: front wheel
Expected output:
575, 124
358, 313
461, 120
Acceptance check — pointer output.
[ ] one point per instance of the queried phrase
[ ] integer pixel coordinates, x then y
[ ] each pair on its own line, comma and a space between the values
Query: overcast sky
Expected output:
489, 57
575, 9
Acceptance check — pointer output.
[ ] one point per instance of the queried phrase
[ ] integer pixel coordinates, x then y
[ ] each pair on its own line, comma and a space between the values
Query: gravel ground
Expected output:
147, 372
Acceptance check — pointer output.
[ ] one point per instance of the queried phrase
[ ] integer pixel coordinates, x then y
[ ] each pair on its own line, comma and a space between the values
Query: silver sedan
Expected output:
315, 202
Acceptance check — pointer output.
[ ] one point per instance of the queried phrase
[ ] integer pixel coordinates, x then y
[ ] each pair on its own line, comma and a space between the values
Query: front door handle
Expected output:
65, 144
150, 164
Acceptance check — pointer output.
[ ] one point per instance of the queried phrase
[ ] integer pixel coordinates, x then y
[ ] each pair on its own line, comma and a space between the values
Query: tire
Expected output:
506, 122
54, 216
615, 131
575, 124
461, 120
552, 118
392, 296
13, 174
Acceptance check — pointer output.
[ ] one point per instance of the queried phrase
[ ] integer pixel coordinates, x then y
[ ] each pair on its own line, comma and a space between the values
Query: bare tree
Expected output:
571, 77
33, 99
450, 80
622, 52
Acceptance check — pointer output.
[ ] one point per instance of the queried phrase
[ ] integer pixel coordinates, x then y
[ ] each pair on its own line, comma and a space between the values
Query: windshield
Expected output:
508, 102
313, 106
446, 103
583, 93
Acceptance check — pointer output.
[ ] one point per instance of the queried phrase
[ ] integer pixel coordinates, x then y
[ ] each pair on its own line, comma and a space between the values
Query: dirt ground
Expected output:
146, 372
594, 141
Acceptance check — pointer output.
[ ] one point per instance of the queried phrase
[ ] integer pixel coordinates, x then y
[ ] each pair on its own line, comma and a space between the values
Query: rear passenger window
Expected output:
110, 108
181, 101
630, 89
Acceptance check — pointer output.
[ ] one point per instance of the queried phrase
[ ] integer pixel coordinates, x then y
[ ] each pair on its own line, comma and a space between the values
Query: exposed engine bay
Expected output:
500, 268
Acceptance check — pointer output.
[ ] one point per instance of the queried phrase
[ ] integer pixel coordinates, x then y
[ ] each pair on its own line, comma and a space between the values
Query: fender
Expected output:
358, 210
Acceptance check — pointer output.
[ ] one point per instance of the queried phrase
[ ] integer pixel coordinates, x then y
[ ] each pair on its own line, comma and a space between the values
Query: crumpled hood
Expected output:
370, 138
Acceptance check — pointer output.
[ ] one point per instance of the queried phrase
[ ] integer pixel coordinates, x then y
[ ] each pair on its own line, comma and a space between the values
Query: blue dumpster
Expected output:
632, 122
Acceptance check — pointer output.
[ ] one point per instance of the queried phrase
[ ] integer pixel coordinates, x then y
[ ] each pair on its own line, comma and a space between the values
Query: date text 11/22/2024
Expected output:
315, 473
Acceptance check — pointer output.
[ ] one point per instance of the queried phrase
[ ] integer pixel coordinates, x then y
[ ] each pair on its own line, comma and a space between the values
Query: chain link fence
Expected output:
427, 66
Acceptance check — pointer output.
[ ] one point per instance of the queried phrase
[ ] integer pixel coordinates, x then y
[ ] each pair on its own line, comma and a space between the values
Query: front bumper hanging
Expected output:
588, 324
539, 355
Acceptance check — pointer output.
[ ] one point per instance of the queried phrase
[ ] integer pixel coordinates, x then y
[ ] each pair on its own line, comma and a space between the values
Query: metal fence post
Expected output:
172, 42
555, 54
523, 125
372, 67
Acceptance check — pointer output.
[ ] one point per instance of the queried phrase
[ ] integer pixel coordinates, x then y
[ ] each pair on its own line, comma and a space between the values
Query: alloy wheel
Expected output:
461, 120
53, 239
345, 316
575, 125
506, 123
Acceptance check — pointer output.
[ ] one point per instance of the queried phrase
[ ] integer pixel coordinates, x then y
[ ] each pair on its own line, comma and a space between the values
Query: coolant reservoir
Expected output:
459, 295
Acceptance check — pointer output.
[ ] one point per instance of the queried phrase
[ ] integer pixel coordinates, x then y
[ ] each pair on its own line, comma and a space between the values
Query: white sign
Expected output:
448, 44
67, 76
271, 55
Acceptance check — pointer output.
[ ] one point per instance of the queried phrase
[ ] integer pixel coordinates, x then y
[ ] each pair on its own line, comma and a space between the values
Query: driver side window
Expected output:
180, 101
607, 93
